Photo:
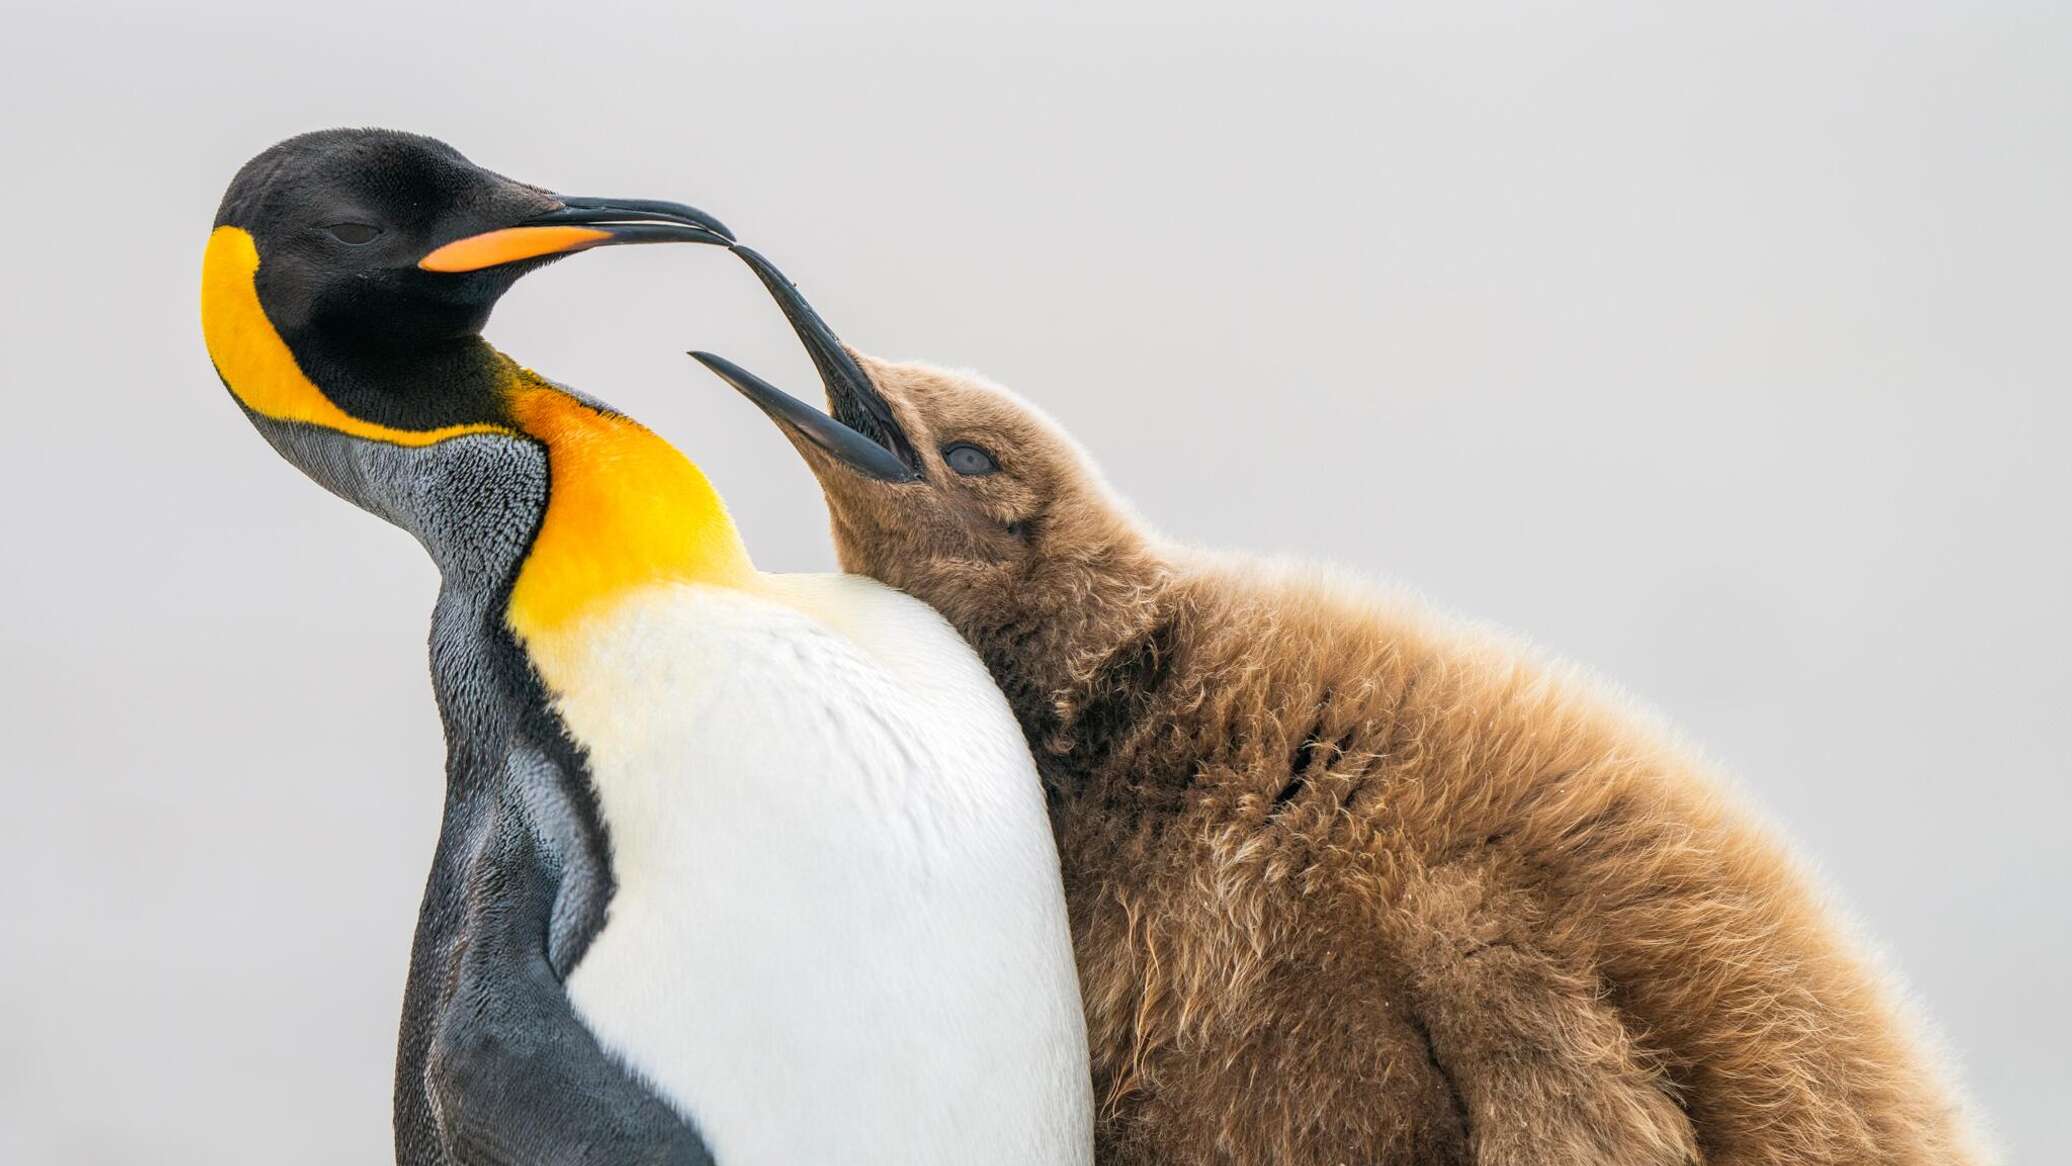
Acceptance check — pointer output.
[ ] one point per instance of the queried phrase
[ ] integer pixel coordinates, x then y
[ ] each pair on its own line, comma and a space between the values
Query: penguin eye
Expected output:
969, 460
354, 234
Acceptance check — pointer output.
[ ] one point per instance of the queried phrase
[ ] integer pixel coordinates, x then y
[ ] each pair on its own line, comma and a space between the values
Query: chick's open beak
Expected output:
862, 433
846, 445
579, 224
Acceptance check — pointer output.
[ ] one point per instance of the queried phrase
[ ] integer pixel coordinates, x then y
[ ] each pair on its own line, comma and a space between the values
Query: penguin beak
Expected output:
579, 224
862, 433
844, 444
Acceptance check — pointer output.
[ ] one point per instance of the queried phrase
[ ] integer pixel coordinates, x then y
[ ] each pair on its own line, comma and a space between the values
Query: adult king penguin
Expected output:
734, 866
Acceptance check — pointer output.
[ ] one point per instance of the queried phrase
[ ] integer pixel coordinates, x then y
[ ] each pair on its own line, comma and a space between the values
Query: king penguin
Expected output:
734, 866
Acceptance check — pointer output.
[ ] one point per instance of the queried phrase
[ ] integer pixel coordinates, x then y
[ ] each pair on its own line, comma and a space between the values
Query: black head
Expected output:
381, 255
342, 217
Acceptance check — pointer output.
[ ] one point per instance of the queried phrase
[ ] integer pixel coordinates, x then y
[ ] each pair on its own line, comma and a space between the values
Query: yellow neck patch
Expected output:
624, 508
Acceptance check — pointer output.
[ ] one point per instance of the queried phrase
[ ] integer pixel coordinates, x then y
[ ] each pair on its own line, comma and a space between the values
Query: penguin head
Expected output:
946, 485
391, 240
341, 219
374, 258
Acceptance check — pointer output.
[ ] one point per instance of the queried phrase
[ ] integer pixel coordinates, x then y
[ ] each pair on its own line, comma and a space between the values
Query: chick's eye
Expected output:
354, 233
969, 460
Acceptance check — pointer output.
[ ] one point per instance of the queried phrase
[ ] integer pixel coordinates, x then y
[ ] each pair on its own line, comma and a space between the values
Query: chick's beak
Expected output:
579, 224
862, 433
846, 445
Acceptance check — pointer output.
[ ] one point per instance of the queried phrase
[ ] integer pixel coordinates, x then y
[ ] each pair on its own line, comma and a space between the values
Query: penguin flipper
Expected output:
513, 1075
537, 1089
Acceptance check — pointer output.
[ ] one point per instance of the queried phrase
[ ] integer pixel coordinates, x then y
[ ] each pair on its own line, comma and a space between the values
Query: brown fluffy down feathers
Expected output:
1354, 883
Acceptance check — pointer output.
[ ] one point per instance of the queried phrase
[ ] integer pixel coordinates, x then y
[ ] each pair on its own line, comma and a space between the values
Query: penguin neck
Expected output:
624, 510
431, 385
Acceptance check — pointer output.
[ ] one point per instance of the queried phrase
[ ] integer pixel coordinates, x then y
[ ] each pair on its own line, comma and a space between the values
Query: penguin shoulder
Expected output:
829, 673
901, 634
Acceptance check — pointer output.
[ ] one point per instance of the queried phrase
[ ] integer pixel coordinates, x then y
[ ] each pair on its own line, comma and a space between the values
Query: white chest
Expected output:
838, 932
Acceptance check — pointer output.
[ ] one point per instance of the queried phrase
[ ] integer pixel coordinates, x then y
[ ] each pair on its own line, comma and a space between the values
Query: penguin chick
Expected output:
1352, 882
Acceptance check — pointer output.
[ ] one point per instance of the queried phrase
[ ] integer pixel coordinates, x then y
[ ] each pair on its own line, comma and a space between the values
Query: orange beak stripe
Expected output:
509, 245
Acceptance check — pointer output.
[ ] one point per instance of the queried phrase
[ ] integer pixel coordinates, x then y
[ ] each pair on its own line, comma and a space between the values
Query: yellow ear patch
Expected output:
255, 362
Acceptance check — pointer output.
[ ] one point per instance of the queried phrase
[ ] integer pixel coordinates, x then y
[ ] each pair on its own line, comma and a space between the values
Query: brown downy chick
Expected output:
1350, 882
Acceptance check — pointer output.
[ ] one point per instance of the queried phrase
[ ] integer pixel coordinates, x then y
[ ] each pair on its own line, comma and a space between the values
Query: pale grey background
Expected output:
1724, 352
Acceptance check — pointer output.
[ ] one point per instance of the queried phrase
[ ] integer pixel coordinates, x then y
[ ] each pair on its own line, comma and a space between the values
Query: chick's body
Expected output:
1352, 882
